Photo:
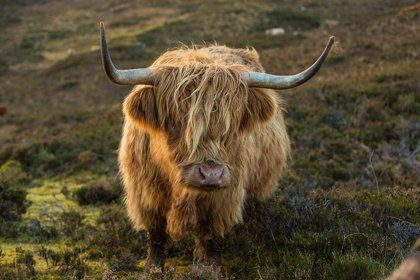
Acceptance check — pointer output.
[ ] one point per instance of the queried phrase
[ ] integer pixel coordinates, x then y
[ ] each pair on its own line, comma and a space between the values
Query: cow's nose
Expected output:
211, 176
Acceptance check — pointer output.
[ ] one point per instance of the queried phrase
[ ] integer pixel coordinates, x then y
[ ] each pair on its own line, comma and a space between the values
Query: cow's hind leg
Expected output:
157, 238
209, 252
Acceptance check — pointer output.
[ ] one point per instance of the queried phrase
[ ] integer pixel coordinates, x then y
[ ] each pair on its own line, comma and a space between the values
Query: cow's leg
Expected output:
209, 252
157, 238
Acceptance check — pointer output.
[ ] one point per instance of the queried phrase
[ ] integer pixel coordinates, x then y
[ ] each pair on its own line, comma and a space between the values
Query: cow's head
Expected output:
202, 110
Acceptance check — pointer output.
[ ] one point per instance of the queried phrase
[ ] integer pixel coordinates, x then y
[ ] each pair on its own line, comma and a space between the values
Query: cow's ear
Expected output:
140, 107
261, 107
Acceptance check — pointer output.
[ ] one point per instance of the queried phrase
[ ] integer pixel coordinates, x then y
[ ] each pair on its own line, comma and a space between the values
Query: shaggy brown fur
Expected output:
200, 110
3, 109
410, 268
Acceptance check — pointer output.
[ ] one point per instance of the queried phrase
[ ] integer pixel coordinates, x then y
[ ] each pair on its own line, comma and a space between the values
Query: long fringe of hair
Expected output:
206, 102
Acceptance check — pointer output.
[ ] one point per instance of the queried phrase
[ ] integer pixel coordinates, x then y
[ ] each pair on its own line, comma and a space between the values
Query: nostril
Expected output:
202, 173
218, 173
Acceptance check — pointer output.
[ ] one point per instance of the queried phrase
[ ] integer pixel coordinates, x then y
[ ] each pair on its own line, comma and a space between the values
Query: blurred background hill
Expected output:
348, 207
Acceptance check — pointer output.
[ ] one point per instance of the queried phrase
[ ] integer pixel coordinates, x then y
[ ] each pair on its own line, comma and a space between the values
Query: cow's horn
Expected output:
122, 77
263, 80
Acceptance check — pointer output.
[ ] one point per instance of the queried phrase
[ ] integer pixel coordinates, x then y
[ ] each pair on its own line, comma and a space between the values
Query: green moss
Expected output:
49, 200
10, 164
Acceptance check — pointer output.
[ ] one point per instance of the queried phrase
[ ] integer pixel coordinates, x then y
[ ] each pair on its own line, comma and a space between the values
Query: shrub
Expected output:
42, 232
25, 258
116, 233
124, 261
98, 192
46, 157
353, 266
68, 261
13, 201
72, 224
199, 272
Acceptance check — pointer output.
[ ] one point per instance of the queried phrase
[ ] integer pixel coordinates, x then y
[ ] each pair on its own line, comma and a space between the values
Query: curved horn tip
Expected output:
102, 27
332, 40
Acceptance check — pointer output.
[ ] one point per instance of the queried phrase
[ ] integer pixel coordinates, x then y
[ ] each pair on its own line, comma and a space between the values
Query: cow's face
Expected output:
204, 113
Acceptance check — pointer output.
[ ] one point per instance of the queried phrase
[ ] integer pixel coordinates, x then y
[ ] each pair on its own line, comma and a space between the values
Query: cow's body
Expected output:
246, 132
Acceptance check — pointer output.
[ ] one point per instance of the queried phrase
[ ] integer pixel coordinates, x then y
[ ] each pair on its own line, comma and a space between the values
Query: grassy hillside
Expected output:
348, 207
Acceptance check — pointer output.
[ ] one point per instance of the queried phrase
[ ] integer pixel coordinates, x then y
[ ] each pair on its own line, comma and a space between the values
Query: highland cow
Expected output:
204, 133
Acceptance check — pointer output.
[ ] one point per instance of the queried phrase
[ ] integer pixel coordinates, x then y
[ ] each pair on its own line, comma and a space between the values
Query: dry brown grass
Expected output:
409, 9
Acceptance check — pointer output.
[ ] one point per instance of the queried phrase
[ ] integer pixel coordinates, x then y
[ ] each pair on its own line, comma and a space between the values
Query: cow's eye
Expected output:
174, 134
